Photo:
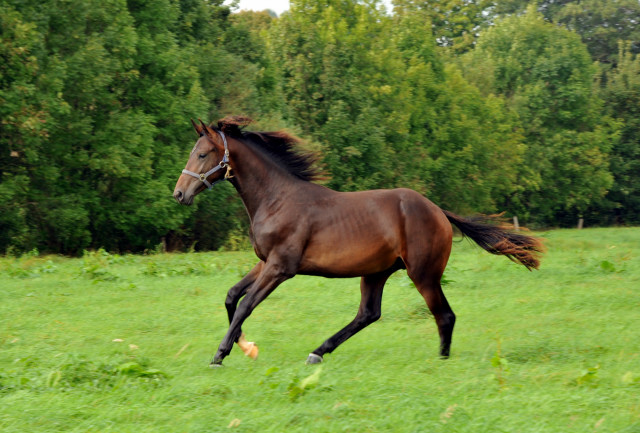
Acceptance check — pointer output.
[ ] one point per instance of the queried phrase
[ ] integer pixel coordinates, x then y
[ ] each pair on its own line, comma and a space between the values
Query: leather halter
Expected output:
222, 164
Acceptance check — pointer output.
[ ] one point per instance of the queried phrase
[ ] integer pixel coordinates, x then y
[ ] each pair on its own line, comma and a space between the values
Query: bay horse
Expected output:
300, 227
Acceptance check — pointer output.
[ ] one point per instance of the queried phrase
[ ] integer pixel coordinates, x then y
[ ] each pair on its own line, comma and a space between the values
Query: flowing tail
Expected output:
497, 240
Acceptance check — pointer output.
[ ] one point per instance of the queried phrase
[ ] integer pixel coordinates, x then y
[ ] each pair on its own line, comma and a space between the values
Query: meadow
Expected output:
121, 343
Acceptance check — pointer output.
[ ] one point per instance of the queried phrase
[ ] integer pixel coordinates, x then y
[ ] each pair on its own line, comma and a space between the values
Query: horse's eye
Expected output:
202, 155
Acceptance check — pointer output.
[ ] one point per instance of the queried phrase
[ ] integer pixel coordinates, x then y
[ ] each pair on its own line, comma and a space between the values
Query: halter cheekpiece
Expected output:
222, 164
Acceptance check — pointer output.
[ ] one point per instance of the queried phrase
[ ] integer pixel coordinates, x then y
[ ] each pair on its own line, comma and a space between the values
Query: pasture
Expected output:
110, 343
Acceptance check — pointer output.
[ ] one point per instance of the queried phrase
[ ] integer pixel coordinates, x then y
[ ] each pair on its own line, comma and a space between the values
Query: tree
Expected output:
462, 148
24, 114
546, 74
600, 23
622, 95
377, 94
99, 134
336, 67
455, 24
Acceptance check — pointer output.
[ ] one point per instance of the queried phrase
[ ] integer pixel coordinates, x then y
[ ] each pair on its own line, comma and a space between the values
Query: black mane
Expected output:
279, 145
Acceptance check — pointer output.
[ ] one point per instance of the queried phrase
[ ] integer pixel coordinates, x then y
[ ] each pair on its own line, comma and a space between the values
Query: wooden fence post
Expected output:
516, 226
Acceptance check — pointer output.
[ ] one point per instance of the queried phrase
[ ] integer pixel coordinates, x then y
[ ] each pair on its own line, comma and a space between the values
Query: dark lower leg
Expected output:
445, 323
261, 288
239, 290
343, 335
245, 308
443, 314
369, 311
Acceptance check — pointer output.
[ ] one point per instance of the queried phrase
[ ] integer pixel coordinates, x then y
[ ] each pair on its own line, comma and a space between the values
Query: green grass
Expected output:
555, 350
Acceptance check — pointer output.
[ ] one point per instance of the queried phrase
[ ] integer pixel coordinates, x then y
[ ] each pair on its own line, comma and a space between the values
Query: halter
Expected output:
222, 164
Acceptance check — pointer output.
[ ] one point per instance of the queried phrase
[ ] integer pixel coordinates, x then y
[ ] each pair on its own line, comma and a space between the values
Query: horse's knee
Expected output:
233, 296
230, 301
373, 316
367, 318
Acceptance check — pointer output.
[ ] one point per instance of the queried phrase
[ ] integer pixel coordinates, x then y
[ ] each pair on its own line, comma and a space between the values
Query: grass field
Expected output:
109, 343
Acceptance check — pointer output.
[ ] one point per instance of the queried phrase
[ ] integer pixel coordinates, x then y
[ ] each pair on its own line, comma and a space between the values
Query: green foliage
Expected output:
386, 109
96, 97
297, 388
483, 106
588, 377
631, 378
455, 23
28, 265
600, 23
335, 72
95, 264
76, 373
546, 74
622, 95
24, 112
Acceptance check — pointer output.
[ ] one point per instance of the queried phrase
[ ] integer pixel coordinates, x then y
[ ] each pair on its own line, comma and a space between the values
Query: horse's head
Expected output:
205, 165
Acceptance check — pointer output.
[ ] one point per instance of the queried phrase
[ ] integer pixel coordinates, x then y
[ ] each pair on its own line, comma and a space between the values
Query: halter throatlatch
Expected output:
222, 164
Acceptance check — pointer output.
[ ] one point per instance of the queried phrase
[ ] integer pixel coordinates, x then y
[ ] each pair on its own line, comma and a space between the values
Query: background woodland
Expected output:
483, 106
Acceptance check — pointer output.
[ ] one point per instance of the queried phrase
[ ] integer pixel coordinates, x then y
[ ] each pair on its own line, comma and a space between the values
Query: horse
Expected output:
302, 227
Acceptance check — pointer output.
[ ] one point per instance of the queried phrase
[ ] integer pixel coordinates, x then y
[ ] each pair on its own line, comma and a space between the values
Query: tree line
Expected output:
527, 107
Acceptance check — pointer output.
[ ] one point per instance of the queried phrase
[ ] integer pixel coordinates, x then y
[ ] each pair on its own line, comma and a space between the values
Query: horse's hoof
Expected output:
215, 364
314, 359
249, 348
252, 352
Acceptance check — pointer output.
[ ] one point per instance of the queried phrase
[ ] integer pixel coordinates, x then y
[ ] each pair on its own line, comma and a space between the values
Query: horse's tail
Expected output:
498, 240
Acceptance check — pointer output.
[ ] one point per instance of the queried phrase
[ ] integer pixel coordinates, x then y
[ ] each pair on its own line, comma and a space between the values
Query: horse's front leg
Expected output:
233, 296
270, 276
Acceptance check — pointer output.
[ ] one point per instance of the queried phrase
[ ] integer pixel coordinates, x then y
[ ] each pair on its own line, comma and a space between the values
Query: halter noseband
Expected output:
222, 164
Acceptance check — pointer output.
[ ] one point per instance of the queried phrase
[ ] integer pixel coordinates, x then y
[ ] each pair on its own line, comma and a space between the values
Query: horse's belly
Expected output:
348, 257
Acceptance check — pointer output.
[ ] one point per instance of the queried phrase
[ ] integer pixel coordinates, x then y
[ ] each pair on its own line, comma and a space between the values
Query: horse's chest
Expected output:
265, 239
270, 235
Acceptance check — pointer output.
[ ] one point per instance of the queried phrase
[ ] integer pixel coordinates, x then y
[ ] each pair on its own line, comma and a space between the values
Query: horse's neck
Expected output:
261, 182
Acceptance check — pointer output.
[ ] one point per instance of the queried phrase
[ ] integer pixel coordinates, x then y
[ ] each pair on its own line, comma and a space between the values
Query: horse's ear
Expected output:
197, 128
205, 129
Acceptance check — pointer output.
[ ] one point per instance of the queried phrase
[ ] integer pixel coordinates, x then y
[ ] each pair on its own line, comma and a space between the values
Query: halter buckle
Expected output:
202, 178
228, 174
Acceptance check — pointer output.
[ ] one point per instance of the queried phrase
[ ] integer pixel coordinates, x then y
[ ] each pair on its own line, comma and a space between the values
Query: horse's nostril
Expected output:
178, 195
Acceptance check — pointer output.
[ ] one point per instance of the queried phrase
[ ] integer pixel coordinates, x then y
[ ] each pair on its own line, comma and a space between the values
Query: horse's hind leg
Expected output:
425, 270
431, 291
370, 309
428, 236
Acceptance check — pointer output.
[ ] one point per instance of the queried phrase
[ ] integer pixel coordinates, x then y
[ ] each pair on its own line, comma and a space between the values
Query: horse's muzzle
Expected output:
182, 198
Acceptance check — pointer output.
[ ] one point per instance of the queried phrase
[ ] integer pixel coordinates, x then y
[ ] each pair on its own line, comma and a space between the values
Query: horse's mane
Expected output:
279, 145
